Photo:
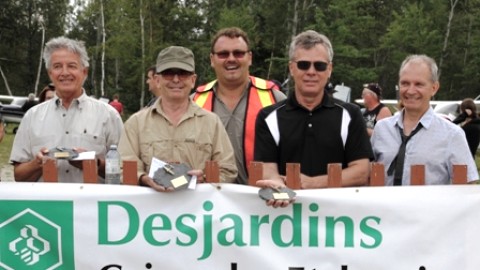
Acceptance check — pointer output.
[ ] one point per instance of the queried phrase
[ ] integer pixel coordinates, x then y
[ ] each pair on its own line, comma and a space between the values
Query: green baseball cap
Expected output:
175, 57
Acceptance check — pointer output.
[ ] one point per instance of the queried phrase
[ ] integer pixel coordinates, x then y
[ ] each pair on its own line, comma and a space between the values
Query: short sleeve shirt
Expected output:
333, 132
87, 123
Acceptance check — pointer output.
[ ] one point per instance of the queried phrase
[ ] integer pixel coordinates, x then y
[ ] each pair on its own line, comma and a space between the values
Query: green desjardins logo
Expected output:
36, 235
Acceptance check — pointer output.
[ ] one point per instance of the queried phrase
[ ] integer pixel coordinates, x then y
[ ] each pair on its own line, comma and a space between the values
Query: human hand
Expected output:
148, 181
200, 175
275, 184
77, 163
41, 155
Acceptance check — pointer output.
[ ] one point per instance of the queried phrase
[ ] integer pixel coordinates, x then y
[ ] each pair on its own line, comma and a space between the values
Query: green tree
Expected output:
21, 27
413, 31
370, 39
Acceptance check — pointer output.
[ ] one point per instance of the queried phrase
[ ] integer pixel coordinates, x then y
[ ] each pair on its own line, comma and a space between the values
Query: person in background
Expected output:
236, 96
374, 109
29, 103
174, 129
469, 120
47, 93
310, 127
2, 128
70, 120
417, 135
152, 85
115, 103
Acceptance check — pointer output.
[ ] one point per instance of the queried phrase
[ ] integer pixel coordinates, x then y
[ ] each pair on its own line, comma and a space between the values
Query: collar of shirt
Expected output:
249, 84
78, 101
292, 102
426, 118
192, 110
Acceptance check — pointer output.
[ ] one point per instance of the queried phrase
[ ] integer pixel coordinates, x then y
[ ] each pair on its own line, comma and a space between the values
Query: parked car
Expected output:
12, 113
451, 109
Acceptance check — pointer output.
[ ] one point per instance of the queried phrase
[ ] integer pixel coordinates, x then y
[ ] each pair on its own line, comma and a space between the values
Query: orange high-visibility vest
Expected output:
260, 95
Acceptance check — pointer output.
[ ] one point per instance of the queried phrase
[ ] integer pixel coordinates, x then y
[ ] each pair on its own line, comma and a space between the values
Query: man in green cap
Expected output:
174, 129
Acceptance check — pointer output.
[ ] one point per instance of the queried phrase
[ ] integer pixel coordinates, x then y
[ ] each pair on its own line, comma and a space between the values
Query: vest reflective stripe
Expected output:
204, 96
265, 97
256, 101
259, 96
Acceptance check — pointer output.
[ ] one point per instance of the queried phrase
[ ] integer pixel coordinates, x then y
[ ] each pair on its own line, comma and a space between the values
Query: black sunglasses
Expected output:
169, 74
226, 54
305, 65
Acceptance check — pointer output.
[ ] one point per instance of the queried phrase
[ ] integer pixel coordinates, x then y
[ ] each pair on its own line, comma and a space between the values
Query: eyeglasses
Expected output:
305, 65
226, 54
169, 74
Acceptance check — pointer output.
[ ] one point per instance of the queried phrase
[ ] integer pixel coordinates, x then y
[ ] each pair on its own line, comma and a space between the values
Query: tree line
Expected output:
370, 39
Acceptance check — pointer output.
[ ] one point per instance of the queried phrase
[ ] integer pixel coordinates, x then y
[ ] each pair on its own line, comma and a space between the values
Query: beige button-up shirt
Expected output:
87, 123
199, 136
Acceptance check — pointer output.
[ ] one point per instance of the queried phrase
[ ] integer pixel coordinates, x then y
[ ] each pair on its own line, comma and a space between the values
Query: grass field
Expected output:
6, 146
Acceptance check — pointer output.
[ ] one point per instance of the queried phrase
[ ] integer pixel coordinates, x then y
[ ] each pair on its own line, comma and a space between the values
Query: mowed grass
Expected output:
6, 147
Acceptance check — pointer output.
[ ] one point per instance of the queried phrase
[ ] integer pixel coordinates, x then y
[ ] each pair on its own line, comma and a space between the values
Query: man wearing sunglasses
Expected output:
174, 129
310, 127
235, 95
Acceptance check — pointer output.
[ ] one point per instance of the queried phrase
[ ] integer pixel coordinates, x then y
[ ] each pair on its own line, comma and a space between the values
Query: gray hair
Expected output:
432, 65
307, 40
74, 46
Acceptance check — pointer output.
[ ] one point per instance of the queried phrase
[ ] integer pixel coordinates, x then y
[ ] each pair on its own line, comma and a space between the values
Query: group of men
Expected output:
239, 118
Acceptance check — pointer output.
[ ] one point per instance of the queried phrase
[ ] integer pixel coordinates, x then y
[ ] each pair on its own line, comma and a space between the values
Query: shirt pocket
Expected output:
146, 152
160, 149
204, 151
90, 142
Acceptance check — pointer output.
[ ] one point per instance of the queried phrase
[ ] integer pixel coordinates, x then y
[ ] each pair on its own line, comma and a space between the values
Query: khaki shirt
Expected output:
199, 136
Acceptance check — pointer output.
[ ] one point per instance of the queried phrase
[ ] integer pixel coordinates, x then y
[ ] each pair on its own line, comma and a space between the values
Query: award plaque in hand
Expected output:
283, 193
62, 153
173, 175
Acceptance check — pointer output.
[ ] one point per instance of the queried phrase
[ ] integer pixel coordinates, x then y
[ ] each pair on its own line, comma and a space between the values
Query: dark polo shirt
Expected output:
311, 138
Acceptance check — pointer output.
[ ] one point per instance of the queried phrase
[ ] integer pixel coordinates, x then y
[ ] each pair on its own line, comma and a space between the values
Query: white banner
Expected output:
228, 227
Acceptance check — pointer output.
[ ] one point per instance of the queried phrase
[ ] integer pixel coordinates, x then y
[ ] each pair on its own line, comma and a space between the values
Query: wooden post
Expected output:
130, 172
417, 175
49, 170
293, 176
207, 170
212, 171
334, 175
377, 175
90, 174
459, 174
255, 172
